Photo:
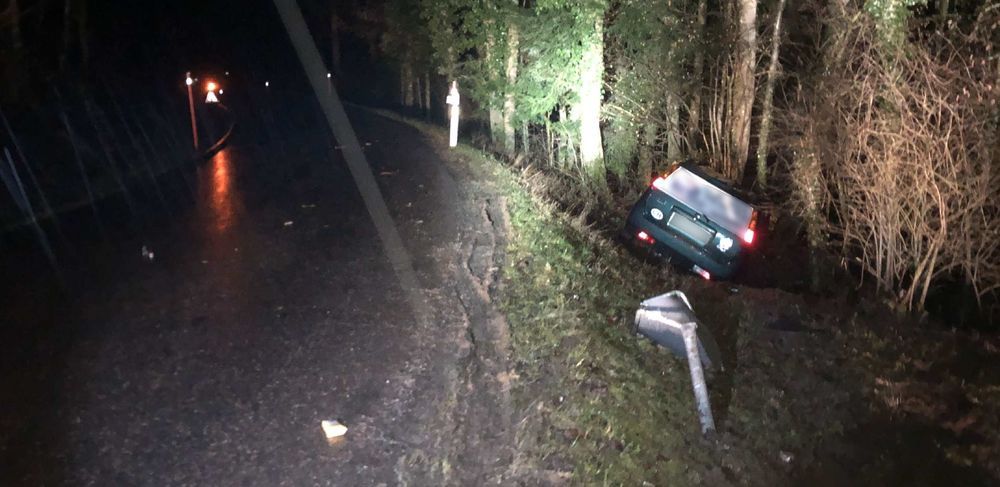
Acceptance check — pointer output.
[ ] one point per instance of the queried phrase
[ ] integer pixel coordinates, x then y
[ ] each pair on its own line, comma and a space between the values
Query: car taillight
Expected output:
644, 237
702, 272
749, 233
660, 183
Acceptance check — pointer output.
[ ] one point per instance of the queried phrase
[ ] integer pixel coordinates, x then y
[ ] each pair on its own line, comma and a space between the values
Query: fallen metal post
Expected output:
698, 378
669, 321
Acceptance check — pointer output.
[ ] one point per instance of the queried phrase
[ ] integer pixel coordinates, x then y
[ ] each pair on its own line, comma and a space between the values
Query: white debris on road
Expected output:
333, 429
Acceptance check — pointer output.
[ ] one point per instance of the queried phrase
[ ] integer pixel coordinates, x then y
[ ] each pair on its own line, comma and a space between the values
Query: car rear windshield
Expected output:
724, 209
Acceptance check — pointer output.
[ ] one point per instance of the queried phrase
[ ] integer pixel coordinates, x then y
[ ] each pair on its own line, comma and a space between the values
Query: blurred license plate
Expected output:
689, 228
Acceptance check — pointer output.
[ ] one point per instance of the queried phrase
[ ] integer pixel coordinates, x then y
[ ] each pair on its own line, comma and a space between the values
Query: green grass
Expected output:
593, 395
593, 400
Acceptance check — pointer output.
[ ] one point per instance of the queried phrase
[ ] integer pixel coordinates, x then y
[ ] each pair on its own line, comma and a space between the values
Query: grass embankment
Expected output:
815, 389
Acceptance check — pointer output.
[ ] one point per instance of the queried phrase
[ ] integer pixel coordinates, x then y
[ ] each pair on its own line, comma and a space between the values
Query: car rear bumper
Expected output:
671, 246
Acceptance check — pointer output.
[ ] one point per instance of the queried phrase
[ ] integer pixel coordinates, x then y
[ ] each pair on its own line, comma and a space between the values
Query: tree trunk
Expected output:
496, 121
694, 110
673, 124
513, 41
548, 141
417, 92
495, 113
407, 84
525, 139
588, 112
646, 147
807, 164
741, 98
427, 94
811, 178
768, 105
564, 142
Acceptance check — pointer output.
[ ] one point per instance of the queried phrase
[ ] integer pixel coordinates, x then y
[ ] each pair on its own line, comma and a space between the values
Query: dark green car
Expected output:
693, 220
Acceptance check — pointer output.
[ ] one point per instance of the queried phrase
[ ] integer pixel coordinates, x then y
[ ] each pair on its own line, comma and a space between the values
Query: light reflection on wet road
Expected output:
215, 363
222, 190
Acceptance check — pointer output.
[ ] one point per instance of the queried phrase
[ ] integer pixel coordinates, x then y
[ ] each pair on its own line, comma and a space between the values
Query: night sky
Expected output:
140, 40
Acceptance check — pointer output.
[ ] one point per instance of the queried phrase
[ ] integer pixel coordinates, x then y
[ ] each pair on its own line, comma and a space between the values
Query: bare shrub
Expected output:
896, 159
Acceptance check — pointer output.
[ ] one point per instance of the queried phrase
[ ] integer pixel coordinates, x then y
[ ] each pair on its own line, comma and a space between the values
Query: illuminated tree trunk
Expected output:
673, 124
496, 122
741, 98
588, 112
407, 84
768, 105
807, 169
449, 74
525, 138
513, 41
548, 141
427, 94
567, 153
694, 110
418, 91
495, 114
645, 168
810, 177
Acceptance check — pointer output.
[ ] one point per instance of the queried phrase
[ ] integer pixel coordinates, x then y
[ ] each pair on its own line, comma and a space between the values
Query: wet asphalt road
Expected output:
268, 307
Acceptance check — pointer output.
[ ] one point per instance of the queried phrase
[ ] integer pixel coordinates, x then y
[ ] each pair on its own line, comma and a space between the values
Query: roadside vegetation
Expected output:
816, 388
872, 123
861, 344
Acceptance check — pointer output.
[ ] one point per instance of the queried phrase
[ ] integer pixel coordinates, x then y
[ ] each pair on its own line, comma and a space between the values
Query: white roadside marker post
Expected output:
453, 101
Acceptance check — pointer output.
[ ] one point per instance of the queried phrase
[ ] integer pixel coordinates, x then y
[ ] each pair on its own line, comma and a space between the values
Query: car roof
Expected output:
708, 196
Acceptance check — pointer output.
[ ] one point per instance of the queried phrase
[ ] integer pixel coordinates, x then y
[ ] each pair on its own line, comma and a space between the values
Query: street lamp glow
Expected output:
328, 75
266, 84
211, 86
188, 81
